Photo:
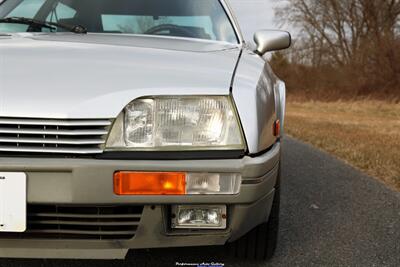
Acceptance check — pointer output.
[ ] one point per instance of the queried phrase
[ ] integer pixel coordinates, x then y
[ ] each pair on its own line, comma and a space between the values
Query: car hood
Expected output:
97, 75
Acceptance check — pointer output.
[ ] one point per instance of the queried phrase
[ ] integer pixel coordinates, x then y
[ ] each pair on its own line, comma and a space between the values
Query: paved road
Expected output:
332, 215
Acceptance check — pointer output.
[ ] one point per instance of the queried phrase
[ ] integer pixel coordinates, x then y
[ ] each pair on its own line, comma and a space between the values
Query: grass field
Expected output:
365, 134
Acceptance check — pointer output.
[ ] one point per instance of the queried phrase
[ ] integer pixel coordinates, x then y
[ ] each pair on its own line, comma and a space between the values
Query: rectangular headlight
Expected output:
177, 123
199, 217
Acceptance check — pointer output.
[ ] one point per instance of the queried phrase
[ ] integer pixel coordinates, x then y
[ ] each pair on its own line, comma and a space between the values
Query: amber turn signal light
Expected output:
277, 128
149, 183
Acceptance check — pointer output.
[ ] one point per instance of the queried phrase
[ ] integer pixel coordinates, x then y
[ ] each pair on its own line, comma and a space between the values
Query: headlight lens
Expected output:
177, 123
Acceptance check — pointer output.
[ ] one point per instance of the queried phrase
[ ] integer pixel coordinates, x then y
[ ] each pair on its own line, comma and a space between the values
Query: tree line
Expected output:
343, 47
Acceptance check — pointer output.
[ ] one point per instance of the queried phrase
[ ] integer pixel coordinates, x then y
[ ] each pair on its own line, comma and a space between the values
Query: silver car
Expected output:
136, 124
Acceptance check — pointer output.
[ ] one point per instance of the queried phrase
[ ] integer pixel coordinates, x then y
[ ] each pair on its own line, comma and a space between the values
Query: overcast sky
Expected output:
254, 15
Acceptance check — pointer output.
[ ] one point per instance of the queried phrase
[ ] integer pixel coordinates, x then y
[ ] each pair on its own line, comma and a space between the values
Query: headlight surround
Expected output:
174, 123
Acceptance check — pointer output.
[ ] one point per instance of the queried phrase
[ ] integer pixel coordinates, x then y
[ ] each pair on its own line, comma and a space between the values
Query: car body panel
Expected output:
244, 218
96, 77
253, 91
66, 181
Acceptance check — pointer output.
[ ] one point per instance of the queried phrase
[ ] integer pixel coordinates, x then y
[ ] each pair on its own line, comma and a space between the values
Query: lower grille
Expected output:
77, 222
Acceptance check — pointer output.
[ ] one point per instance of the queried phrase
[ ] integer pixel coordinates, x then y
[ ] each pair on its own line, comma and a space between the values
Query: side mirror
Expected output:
270, 40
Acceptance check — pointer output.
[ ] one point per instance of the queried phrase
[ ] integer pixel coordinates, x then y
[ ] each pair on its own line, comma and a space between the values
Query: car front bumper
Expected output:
88, 182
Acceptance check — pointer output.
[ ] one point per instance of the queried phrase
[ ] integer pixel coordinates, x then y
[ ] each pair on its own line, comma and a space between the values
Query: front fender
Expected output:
280, 102
254, 92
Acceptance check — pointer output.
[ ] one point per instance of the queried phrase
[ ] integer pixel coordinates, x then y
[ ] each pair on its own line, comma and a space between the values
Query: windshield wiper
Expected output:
44, 24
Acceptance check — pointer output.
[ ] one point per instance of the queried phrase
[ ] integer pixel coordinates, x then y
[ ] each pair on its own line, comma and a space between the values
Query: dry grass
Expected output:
365, 134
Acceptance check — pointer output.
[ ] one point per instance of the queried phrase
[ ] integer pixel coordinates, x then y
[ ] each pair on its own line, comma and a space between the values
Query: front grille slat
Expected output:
87, 216
41, 122
80, 222
77, 232
112, 223
52, 132
47, 140
44, 149
81, 137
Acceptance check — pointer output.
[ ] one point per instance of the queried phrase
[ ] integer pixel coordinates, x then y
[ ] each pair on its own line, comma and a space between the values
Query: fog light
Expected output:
198, 217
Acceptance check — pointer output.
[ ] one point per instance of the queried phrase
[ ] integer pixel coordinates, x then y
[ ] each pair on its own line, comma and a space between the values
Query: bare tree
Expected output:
339, 27
360, 35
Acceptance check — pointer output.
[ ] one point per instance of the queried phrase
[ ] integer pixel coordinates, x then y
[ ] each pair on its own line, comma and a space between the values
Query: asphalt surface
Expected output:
331, 215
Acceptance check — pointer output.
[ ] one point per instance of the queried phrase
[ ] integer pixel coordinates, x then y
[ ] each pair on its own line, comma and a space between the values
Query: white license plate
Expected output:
12, 202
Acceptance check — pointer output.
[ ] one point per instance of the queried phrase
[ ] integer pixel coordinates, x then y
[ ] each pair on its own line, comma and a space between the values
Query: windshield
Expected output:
204, 19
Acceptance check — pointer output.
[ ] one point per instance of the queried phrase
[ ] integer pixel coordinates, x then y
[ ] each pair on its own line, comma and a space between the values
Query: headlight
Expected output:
177, 123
